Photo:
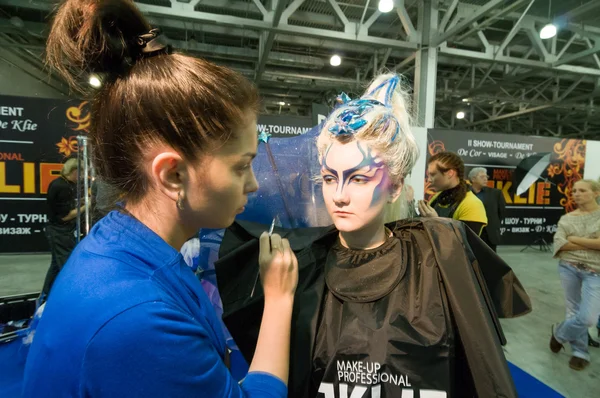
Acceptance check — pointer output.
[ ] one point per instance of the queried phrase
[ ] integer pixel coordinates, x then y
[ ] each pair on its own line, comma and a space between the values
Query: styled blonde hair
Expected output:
387, 132
594, 186
69, 166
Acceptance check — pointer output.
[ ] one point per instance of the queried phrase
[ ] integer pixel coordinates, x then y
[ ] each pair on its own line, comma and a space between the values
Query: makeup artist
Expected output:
175, 136
453, 198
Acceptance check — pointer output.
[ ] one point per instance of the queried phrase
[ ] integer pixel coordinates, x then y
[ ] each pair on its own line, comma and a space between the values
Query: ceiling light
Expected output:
548, 31
95, 81
281, 103
386, 5
460, 115
335, 60
465, 100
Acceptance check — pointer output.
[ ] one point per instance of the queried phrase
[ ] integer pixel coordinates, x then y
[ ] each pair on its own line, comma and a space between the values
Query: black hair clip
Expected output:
153, 43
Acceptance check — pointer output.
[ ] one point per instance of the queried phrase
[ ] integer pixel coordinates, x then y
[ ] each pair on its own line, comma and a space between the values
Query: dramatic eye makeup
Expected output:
356, 179
360, 179
368, 163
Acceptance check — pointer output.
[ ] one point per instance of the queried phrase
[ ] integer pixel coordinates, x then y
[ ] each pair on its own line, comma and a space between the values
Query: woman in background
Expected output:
577, 245
176, 137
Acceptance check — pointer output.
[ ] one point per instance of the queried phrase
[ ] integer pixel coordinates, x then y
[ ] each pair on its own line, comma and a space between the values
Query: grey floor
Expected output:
527, 336
21, 274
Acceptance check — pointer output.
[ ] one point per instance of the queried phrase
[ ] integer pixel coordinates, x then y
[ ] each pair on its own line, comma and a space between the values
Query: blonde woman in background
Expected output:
577, 245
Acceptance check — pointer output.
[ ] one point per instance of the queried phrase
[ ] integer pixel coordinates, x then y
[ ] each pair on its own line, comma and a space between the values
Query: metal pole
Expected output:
426, 66
86, 186
78, 203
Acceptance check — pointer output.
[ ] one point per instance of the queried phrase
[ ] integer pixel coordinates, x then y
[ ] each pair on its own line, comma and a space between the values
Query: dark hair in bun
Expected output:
93, 36
185, 102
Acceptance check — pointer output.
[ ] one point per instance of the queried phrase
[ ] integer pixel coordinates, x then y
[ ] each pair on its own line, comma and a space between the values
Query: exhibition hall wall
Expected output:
38, 134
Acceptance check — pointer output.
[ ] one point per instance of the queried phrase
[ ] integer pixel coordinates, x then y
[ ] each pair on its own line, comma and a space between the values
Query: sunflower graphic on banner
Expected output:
79, 117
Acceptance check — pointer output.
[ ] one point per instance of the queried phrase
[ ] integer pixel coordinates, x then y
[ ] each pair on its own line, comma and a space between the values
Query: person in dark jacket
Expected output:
176, 136
382, 309
62, 215
494, 203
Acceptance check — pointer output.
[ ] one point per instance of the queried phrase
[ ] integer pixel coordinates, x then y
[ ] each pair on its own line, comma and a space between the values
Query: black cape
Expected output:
443, 336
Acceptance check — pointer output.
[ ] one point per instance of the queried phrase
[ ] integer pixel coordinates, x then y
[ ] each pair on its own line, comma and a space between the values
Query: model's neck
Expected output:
589, 207
367, 238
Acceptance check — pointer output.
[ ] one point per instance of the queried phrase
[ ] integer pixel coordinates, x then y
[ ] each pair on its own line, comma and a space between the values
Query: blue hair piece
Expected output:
343, 98
263, 136
349, 121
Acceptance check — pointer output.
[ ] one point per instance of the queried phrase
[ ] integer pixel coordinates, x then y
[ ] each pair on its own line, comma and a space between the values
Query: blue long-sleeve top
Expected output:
127, 318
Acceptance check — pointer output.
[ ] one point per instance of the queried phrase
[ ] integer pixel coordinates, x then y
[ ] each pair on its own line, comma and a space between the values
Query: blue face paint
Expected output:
379, 190
329, 169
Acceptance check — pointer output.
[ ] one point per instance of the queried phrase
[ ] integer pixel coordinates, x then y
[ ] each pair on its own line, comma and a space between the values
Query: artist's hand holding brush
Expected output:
279, 278
278, 267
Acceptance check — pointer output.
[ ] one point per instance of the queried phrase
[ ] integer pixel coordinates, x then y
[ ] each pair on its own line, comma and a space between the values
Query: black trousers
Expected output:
485, 237
61, 239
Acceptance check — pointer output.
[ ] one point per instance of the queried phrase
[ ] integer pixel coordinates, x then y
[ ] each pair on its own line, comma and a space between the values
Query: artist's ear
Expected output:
396, 190
169, 173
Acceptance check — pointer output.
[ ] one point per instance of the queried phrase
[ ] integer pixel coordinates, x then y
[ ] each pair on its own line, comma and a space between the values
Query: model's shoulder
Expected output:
425, 222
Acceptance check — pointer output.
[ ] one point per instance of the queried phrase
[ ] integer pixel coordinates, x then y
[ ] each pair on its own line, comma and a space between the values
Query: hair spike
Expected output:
386, 128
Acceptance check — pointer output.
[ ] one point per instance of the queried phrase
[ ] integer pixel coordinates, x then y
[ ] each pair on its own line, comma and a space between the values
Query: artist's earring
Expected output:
179, 201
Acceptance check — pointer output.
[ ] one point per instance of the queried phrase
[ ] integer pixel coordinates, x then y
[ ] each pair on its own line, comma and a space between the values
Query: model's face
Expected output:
439, 181
583, 194
356, 186
480, 180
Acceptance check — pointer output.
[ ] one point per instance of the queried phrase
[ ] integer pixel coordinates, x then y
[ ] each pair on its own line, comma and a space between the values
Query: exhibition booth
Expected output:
38, 135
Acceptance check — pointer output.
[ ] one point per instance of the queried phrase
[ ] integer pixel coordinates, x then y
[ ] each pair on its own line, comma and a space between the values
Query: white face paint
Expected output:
356, 186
